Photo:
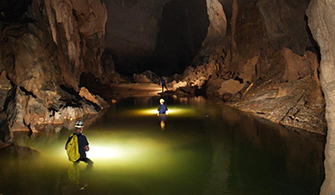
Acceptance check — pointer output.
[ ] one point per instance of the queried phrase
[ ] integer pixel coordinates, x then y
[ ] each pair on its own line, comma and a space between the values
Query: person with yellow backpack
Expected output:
77, 145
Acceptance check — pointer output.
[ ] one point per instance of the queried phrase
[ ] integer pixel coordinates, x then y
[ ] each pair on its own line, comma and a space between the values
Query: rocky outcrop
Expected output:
261, 66
78, 30
4, 88
208, 60
230, 87
296, 66
321, 20
285, 24
292, 98
44, 51
95, 99
291, 104
147, 77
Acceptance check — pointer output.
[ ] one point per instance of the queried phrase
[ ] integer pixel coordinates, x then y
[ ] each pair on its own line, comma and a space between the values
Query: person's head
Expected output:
79, 126
161, 101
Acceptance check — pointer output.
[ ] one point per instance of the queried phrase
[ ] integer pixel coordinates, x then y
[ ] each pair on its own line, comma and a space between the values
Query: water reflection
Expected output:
162, 119
74, 174
205, 149
162, 111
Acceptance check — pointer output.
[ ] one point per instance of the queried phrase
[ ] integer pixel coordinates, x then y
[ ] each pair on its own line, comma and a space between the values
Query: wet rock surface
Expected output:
291, 104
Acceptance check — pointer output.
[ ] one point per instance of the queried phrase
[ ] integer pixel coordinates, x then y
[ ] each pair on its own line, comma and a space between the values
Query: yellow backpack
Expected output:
72, 149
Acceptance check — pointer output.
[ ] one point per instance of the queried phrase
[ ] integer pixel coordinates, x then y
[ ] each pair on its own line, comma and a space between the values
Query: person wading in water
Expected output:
163, 82
83, 145
162, 112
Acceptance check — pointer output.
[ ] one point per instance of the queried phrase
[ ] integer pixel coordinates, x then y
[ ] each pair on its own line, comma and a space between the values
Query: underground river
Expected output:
202, 148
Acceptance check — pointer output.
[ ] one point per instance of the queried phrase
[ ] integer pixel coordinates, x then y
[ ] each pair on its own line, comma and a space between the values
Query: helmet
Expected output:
79, 124
161, 100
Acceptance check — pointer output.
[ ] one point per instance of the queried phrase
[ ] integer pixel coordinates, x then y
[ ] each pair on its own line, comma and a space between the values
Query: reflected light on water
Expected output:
107, 152
172, 110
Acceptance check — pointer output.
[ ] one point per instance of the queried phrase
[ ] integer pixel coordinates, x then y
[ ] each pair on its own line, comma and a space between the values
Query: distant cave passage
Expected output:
181, 28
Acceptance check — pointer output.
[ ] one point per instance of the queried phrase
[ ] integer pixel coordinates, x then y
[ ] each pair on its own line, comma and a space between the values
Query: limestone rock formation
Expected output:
78, 30
285, 24
296, 66
44, 50
266, 55
147, 77
321, 20
97, 100
110, 75
230, 87
208, 59
4, 88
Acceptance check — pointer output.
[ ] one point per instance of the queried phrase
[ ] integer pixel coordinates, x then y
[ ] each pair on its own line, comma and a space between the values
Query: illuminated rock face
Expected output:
321, 17
266, 53
45, 46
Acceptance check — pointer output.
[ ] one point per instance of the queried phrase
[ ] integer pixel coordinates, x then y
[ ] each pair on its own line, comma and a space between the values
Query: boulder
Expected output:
97, 100
249, 70
296, 66
230, 87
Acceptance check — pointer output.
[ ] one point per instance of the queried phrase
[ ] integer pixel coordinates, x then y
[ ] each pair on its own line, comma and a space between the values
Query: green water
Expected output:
205, 148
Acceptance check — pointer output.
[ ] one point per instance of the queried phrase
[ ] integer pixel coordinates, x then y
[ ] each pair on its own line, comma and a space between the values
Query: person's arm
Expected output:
86, 147
159, 107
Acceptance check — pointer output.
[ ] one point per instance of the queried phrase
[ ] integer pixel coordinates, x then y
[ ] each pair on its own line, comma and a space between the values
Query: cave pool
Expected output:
202, 148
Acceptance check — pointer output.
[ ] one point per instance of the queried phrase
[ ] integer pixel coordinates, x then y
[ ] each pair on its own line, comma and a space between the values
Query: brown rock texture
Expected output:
44, 51
209, 58
285, 23
287, 103
297, 66
321, 20
264, 51
97, 100
230, 86
78, 30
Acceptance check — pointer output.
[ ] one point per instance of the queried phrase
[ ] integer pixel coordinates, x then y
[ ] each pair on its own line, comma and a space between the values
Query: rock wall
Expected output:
321, 20
44, 50
78, 30
266, 64
285, 24
208, 59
